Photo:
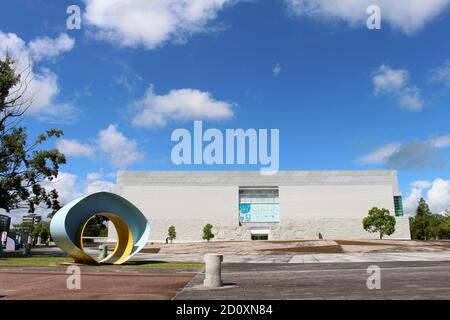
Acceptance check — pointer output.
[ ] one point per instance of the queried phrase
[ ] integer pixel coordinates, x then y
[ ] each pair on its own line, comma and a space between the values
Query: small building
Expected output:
31, 219
5, 223
246, 205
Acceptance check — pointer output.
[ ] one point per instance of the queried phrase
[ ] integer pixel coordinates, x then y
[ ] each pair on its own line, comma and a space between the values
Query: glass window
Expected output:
398, 204
259, 205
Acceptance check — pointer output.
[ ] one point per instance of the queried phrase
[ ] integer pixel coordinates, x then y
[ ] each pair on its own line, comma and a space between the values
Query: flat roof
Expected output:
255, 178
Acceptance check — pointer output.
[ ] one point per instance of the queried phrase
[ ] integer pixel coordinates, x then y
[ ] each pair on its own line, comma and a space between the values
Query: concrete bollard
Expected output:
103, 251
27, 250
213, 270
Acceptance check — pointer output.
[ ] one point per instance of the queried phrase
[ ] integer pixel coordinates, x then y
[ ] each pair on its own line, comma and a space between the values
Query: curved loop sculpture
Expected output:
68, 224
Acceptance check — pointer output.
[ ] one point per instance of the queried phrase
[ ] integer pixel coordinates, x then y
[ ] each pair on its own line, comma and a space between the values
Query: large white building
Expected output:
247, 205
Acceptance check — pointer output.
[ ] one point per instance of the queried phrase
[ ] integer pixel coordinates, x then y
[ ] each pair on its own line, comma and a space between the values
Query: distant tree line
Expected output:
428, 226
41, 229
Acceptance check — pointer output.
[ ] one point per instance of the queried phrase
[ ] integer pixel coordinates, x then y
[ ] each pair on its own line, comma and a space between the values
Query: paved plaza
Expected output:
256, 274
308, 258
399, 280
266, 281
96, 284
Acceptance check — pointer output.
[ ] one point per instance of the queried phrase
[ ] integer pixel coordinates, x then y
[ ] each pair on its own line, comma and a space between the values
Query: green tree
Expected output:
428, 226
421, 225
23, 228
413, 228
172, 233
42, 229
24, 165
438, 227
380, 221
207, 232
97, 226
445, 228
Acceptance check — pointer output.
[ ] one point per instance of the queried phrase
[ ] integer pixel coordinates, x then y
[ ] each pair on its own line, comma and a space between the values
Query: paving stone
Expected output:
399, 280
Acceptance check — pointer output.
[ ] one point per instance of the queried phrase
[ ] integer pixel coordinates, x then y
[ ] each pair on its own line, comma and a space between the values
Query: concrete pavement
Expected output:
307, 258
96, 284
399, 280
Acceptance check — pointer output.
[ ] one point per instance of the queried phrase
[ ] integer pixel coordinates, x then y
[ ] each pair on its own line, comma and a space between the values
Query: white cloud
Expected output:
74, 148
44, 48
411, 202
179, 105
92, 176
43, 88
66, 185
408, 155
379, 155
441, 74
436, 193
128, 81
15, 47
276, 70
111, 143
99, 186
150, 23
387, 80
42, 85
70, 187
408, 16
394, 83
439, 195
415, 155
421, 184
120, 150
441, 142
410, 99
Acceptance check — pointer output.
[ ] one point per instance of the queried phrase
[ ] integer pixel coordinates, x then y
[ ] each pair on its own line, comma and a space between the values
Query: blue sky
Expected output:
343, 96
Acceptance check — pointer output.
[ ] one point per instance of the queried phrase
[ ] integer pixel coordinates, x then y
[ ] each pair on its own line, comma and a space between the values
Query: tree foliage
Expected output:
172, 233
207, 232
422, 221
24, 165
24, 228
96, 227
42, 229
379, 221
428, 226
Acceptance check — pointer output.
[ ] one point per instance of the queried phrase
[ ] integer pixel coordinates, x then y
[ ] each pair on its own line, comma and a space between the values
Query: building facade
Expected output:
5, 223
249, 206
31, 219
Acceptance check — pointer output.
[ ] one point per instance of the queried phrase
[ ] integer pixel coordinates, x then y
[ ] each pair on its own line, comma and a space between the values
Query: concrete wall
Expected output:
331, 203
344, 201
190, 230
175, 202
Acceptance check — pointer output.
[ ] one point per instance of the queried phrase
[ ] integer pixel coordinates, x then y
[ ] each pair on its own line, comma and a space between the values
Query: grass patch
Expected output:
33, 261
16, 260
318, 249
